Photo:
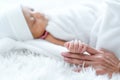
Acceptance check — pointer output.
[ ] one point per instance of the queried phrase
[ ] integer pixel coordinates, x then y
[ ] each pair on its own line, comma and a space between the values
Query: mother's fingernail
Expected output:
66, 59
63, 53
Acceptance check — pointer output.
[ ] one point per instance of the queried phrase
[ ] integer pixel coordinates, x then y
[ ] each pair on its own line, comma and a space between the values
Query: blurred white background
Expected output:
44, 3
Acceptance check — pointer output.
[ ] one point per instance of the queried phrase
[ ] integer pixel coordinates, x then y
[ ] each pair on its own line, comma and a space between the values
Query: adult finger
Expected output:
73, 61
105, 51
101, 72
98, 57
79, 62
91, 50
110, 56
73, 55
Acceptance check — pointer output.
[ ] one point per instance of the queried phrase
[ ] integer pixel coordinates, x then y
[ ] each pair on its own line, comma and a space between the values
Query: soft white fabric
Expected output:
13, 24
107, 29
39, 60
73, 22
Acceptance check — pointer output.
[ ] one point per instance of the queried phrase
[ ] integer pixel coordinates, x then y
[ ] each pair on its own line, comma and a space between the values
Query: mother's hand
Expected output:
102, 61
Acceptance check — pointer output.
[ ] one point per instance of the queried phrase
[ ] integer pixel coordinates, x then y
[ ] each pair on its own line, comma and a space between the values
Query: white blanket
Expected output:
105, 33
72, 22
39, 60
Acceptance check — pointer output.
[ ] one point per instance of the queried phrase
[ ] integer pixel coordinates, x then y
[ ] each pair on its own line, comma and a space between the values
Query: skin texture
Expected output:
103, 61
36, 21
37, 24
75, 46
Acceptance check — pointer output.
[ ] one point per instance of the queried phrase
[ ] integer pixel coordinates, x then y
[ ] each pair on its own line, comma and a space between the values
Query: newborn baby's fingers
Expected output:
80, 46
67, 45
70, 46
76, 46
84, 47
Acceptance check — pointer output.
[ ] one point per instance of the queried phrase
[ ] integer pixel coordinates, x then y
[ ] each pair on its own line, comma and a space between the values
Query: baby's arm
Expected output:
52, 39
76, 46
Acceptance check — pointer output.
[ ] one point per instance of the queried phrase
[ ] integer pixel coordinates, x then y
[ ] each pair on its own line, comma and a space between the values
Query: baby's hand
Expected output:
76, 46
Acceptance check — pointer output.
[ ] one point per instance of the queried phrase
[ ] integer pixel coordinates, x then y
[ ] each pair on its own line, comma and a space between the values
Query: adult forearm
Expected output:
119, 66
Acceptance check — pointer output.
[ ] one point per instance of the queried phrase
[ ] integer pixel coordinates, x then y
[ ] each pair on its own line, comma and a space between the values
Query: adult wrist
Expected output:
119, 66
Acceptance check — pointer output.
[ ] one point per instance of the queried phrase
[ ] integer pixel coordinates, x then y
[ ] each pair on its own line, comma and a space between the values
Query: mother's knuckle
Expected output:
100, 58
70, 55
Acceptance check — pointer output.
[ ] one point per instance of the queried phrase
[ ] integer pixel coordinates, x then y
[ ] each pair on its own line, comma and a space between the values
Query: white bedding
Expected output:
39, 60
105, 33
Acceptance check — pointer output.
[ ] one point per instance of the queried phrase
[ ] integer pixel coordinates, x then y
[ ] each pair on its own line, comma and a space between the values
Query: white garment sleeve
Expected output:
109, 32
72, 23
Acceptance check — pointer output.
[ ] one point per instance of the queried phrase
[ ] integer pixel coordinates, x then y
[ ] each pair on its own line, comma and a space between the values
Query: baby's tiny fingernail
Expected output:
65, 44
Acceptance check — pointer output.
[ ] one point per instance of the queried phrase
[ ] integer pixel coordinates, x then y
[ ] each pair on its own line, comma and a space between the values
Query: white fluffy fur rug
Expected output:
39, 60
